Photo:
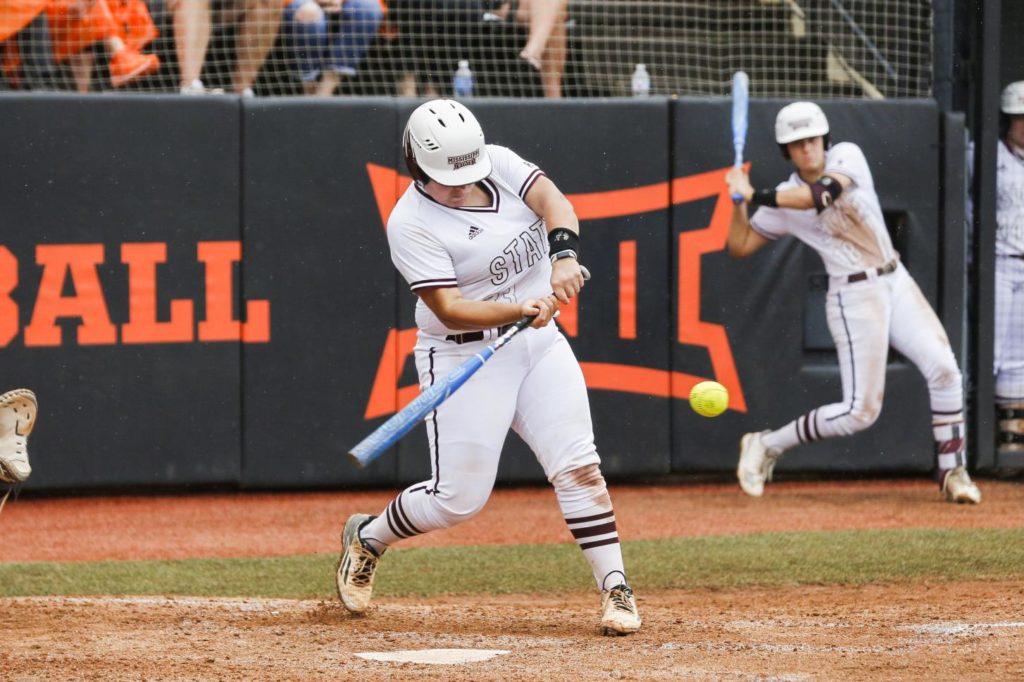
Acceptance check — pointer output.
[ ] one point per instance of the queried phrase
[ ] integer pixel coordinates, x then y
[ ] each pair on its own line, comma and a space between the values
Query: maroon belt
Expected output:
884, 270
469, 337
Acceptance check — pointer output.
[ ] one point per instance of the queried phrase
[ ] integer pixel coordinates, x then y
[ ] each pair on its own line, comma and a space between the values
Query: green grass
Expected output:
769, 559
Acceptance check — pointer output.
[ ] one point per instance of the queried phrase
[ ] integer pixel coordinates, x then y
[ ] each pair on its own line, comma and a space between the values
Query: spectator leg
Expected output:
407, 85
547, 41
256, 38
553, 63
329, 82
306, 40
360, 20
80, 64
192, 28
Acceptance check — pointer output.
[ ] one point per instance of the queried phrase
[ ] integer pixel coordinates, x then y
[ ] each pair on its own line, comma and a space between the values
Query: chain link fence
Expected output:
518, 48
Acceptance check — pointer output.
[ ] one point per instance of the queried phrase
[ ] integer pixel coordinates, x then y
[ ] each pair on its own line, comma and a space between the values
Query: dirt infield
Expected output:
933, 631
810, 633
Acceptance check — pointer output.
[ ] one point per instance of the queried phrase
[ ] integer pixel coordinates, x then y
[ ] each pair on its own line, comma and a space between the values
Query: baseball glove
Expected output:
17, 418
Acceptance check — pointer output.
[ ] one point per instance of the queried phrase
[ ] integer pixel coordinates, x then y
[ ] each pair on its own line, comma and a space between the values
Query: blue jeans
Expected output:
336, 42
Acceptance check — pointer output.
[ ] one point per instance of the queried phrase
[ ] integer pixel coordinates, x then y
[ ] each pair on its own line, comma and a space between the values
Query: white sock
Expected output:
596, 534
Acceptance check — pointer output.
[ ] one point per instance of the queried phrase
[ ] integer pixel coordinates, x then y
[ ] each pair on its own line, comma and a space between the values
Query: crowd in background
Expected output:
278, 47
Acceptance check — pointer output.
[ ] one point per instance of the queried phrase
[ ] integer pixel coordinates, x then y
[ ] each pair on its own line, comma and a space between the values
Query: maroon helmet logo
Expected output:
463, 160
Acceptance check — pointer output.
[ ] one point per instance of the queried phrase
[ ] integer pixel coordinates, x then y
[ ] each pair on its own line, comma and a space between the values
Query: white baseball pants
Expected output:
865, 319
1009, 330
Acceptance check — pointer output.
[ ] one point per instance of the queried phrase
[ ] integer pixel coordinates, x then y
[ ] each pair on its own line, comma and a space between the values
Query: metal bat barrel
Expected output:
740, 105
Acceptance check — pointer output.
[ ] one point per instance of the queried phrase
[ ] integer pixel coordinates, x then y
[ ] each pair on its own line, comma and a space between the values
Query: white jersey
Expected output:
497, 252
1009, 202
850, 236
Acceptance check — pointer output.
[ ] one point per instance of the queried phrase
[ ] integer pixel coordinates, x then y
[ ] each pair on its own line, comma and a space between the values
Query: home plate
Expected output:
438, 656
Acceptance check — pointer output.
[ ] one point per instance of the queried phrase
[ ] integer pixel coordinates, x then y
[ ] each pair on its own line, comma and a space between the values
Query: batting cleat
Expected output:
18, 410
958, 487
358, 562
618, 611
756, 464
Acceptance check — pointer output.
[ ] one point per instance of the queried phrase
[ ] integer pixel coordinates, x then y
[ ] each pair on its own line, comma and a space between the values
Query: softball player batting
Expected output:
484, 238
1009, 322
829, 203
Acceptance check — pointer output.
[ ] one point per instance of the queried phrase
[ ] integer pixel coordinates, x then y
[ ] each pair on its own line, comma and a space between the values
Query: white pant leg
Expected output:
465, 434
918, 334
553, 417
552, 408
1009, 330
858, 316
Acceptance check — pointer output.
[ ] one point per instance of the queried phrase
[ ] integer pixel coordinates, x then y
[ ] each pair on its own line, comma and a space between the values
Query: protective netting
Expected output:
575, 48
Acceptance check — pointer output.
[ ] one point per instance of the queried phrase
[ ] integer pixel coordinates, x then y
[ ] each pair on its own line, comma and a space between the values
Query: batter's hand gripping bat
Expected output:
391, 431
740, 104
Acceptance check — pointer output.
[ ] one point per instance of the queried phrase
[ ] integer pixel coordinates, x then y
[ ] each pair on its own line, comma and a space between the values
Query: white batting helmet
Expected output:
1012, 101
798, 121
444, 143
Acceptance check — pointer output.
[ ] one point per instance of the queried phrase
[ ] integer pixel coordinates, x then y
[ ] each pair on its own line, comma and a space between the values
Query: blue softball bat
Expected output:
391, 431
740, 105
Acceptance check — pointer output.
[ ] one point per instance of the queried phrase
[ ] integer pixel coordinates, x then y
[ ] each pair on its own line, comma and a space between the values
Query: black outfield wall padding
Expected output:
200, 289
316, 247
122, 218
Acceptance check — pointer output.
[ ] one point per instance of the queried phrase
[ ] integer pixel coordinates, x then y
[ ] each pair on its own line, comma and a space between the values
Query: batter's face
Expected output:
1015, 134
808, 155
453, 196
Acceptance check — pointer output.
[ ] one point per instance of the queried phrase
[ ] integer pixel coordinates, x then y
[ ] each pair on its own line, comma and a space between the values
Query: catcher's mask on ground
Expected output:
799, 121
444, 142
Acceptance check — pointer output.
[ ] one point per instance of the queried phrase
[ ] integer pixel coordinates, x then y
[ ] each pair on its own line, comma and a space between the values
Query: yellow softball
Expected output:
709, 398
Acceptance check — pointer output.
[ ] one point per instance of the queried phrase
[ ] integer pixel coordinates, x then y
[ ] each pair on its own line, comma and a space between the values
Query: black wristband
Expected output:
563, 239
764, 197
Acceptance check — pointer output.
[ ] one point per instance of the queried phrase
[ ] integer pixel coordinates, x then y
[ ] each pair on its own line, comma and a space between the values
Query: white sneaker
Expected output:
756, 463
356, 567
197, 87
958, 487
618, 611
18, 409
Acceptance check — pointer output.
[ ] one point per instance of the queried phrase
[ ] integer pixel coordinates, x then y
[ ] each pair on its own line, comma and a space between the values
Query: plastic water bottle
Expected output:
462, 84
641, 81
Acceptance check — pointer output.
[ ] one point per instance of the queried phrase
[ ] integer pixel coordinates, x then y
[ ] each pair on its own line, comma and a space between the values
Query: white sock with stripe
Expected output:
596, 534
587, 510
950, 444
392, 525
